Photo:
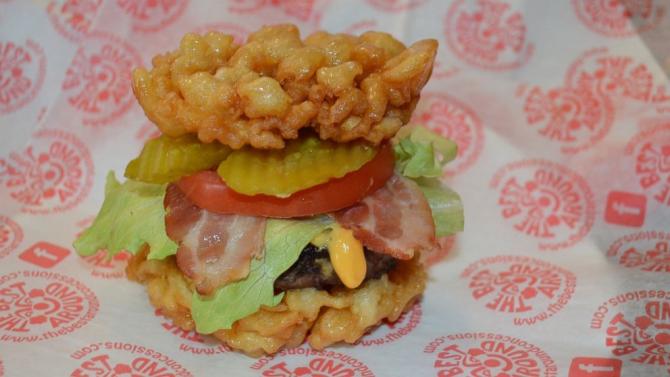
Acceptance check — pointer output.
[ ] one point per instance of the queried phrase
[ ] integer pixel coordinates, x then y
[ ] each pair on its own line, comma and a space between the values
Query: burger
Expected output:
287, 198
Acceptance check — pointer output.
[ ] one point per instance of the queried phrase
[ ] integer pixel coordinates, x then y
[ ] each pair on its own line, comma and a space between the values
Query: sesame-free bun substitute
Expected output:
321, 317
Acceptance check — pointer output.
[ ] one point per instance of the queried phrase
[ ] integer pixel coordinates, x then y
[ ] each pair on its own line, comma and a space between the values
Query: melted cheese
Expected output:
346, 255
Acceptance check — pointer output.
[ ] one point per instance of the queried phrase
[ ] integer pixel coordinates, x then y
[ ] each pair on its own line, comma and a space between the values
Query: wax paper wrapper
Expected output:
560, 112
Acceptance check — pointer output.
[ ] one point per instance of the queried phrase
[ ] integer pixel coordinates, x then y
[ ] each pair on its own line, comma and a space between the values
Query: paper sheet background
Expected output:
505, 76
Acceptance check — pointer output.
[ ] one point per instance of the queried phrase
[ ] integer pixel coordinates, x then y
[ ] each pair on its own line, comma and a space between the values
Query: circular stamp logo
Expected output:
125, 359
191, 341
307, 362
645, 251
488, 354
238, 32
396, 6
303, 10
100, 264
528, 289
22, 71
545, 201
574, 117
73, 19
97, 83
456, 121
152, 15
11, 236
488, 34
580, 113
620, 18
40, 305
635, 327
391, 332
52, 175
617, 76
650, 151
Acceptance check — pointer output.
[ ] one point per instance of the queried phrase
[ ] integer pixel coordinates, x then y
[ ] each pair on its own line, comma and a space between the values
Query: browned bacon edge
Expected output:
214, 249
394, 220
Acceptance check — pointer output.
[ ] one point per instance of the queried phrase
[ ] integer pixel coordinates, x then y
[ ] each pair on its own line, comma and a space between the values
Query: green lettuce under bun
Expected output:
131, 216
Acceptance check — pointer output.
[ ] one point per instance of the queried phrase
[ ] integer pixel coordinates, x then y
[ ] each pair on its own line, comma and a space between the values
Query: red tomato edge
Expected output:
207, 190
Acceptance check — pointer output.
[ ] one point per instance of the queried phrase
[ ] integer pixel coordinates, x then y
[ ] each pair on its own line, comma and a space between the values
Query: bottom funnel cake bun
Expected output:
323, 317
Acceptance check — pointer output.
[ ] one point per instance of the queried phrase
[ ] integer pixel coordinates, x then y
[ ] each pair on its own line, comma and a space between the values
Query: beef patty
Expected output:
313, 269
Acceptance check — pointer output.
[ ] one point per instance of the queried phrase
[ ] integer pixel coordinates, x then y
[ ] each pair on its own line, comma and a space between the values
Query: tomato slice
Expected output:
206, 190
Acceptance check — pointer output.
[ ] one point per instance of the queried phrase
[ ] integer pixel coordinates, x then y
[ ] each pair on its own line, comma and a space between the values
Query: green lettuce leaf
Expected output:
420, 152
284, 240
446, 206
420, 155
131, 215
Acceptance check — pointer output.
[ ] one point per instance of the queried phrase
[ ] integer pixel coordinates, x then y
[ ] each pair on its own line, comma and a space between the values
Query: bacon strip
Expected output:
214, 249
394, 220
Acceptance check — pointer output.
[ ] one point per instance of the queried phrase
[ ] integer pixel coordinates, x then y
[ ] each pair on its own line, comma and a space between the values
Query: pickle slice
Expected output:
303, 163
166, 159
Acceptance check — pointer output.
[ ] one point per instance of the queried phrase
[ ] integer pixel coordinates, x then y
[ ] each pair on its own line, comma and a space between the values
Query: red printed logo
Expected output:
595, 367
73, 19
580, 113
618, 76
98, 83
44, 254
646, 251
100, 264
303, 10
488, 354
650, 150
487, 34
152, 15
191, 341
635, 327
53, 174
307, 362
125, 359
526, 288
625, 208
22, 70
545, 201
390, 332
40, 305
456, 121
11, 236
104, 267
396, 5
619, 18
